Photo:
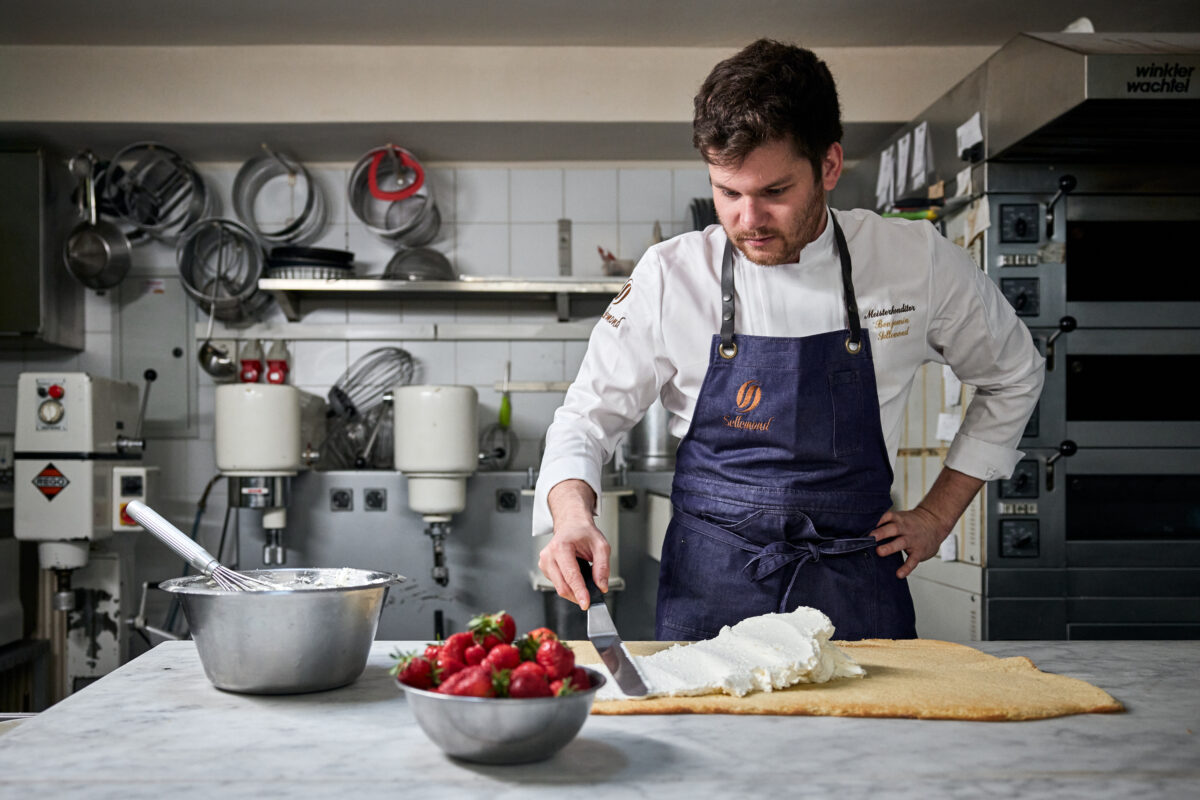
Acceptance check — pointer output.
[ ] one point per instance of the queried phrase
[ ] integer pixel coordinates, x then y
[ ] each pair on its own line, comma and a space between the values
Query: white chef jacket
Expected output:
920, 297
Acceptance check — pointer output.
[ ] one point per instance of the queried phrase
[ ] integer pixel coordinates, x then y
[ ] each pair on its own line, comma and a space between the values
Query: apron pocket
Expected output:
846, 395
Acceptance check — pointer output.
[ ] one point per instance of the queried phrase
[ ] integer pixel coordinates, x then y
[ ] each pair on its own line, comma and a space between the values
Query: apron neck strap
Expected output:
728, 347
854, 343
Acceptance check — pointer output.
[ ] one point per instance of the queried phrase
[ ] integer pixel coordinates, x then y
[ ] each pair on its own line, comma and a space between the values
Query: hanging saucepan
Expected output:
305, 220
388, 192
220, 262
158, 191
96, 251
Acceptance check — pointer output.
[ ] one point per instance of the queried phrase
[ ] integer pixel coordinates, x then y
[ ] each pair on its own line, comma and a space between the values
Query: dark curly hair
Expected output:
766, 92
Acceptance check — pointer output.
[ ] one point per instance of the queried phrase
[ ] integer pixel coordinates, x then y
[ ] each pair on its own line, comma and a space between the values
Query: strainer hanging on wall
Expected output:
277, 198
220, 262
156, 190
389, 193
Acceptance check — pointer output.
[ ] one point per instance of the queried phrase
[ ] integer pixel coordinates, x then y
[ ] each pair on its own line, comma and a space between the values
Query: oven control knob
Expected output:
50, 412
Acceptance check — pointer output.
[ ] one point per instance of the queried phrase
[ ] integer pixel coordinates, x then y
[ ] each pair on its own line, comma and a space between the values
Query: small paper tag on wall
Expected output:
947, 426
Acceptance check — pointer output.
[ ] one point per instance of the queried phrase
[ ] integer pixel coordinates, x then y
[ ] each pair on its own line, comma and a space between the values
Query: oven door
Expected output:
1130, 262
1102, 544
1110, 387
1114, 260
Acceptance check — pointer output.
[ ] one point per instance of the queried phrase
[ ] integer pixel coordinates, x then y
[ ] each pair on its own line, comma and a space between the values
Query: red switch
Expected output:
125, 518
56, 391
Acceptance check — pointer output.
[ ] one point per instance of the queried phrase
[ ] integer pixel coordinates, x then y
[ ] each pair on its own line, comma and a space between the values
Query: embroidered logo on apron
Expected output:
749, 395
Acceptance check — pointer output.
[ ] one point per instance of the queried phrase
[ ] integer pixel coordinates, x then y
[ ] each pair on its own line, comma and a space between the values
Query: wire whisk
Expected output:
192, 552
362, 386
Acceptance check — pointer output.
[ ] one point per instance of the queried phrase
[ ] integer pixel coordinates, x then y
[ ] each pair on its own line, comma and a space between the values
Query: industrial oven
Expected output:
1067, 165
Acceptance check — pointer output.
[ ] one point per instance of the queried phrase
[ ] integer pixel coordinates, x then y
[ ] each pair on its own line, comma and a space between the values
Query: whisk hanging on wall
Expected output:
359, 430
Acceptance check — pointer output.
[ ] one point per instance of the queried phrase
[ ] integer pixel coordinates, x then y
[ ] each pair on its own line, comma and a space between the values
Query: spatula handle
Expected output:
594, 593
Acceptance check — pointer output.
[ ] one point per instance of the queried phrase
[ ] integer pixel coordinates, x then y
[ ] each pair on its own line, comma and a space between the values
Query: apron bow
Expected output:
777, 555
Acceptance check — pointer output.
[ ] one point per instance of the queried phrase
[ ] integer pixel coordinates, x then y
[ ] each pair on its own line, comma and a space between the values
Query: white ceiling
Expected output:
635, 23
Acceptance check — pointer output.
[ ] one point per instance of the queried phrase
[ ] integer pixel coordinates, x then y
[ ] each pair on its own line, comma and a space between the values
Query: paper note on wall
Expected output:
902, 147
962, 182
949, 548
951, 387
969, 134
920, 164
885, 182
947, 426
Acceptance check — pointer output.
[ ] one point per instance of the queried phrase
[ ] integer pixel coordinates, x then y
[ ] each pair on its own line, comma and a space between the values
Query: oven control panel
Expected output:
1019, 223
1023, 294
1019, 538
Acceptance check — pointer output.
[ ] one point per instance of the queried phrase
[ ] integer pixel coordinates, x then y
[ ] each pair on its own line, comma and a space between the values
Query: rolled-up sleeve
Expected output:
976, 332
621, 375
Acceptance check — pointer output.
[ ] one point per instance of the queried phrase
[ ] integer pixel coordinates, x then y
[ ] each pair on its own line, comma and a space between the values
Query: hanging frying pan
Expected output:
96, 252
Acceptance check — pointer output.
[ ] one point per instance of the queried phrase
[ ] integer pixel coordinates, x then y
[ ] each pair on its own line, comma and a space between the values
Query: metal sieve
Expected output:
388, 193
308, 211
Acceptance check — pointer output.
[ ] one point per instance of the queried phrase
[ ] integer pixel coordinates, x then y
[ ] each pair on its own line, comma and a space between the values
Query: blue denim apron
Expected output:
780, 478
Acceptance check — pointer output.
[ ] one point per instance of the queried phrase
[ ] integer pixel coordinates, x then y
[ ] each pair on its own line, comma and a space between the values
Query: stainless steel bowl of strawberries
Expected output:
490, 696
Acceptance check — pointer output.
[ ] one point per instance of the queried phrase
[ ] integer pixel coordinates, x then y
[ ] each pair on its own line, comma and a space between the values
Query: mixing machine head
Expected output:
436, 448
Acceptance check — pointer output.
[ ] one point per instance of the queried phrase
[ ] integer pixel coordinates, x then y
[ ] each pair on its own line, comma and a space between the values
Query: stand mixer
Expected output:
75, 467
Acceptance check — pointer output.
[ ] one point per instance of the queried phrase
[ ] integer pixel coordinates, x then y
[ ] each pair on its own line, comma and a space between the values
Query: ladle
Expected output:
214, 360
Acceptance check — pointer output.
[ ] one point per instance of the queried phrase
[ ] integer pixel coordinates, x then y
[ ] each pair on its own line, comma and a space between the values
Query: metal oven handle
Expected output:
1065, 325
1066, 184
1066, 448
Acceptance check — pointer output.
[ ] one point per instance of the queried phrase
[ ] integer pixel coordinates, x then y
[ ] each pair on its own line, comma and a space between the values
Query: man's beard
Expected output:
787, 244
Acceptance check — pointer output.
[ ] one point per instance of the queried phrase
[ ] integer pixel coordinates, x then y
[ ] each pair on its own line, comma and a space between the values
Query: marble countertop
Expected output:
157, 728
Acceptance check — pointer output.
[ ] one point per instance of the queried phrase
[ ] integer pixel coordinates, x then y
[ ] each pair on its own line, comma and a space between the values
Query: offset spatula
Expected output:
603, 635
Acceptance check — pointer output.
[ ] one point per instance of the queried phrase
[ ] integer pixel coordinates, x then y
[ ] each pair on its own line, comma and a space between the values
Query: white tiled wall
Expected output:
497, 219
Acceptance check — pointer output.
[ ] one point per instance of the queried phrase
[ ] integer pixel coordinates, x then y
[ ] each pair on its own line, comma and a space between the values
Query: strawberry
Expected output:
577, 681
413, 669
502, 656
580, 679
432, 651
474, 681
501, 625
529, 643
448, 665
456, 646
475, 654
530, 667
540, 635
557, 658
527, 684
419, 673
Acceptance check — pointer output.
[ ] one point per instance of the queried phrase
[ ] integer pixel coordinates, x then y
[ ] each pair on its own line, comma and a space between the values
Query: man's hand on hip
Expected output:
572, 505
920, 532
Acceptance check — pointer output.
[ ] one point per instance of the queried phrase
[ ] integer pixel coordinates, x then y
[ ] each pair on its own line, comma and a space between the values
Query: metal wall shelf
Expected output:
289, 292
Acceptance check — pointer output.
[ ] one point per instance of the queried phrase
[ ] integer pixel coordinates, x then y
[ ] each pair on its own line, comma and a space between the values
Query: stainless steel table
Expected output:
157, 728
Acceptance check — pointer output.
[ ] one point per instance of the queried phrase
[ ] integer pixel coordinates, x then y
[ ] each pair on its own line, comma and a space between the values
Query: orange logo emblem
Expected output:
748, 396
621, 295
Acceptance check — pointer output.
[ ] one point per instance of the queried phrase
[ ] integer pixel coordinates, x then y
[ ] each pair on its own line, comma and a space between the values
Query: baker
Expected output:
785, 341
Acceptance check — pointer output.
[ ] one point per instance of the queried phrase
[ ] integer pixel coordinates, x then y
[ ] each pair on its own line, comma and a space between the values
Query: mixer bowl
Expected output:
311, 635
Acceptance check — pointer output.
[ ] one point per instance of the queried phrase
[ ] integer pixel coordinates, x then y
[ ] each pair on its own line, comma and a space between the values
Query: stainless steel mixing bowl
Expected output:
502, 730
311, 636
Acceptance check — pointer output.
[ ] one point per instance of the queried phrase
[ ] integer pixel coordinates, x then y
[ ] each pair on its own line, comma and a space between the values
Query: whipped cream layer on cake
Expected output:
759, 654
